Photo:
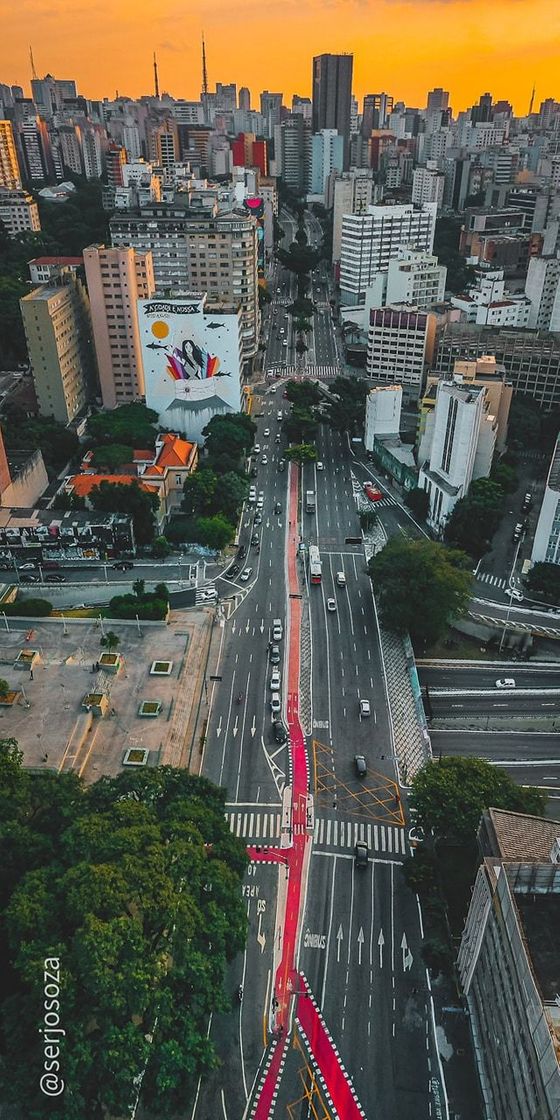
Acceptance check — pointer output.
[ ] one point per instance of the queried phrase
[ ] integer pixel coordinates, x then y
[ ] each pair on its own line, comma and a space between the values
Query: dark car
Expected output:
233, 571
27, 577
55, 577
123, 565
282, 465
360, 764
255, 539
241, 552
279, 731
361, 854
278, 507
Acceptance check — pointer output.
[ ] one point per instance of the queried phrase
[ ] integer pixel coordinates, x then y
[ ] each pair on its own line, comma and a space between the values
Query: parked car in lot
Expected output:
361, 854
275, 703
29, 566
360, 765
279, 731
275, 681
506, 682
365, 709
123, 565
246, 574
275, 655
28, 577
277, 630
55, 577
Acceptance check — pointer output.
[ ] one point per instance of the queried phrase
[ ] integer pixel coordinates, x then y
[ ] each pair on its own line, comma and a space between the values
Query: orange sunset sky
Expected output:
467, 46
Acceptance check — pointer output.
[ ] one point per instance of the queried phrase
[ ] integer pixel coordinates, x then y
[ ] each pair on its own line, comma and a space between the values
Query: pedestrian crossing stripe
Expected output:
328, 832
494, 581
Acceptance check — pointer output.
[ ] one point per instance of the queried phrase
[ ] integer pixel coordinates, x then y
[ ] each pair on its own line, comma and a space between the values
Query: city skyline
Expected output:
411, 47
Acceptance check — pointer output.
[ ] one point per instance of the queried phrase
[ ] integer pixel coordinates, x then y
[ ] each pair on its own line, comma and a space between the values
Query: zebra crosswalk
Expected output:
493, 581
263, 827
205, 594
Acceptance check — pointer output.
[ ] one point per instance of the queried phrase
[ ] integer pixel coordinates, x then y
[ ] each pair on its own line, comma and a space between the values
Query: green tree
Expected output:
161, 548
199, 492
524, 423
347, 412
506, 476
110, 641
544, 579
418, 501
450, 796
131, 425
66, 501
138, 588
301, 453
232, 492
130, 499
420, 586
4, 688
228, 441
460, 275
28, 608
476, 517
134, 884
301, 424
304, 393
112, 455
214, 532
57, 444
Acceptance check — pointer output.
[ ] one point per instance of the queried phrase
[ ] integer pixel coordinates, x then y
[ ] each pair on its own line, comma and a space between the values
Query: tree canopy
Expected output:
544, 579
130, 425
476, 517
301, 453
57, 444
450, 796
110, 456
128, 498
133, 884
228, 439
347, 412
446, 247
420, 586
418, 501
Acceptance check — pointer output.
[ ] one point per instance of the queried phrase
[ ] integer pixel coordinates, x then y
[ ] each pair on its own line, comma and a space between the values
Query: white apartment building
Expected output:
71, 148
383, 413
400, 347
199, 251
91, 153
116, 280
326, 156
542, 288
488, 304
546, 545
369, 241
58, 333
10, 178
19, 212
427, 185
457, 446
415, 277
352, 194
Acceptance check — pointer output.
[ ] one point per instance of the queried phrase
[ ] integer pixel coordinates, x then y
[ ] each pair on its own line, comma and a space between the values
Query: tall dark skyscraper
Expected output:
332, 93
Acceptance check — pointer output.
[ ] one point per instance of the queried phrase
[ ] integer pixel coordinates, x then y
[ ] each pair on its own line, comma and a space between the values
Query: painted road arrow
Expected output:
253, 726
361, 940
339, 938
261, 937
219, 728
235, 727
406, 954
381, 942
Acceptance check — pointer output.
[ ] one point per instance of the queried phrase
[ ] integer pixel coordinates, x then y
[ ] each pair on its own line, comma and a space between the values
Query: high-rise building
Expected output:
508, 966
352, 194
546, 545
416, 278
427, 186
245, 99
438, 99
19, 212
400, 347
369, 241
115, 160
226, 97
456, 448
247, 151
377, 108
293, 135
10, 177
302, 105
332, 95
202, 252
164, 147
49, 94
485, 371
36, 148
116, 280
59, 342
271, 110
327, 155
532, 358
91, 152
71, 148
542, 288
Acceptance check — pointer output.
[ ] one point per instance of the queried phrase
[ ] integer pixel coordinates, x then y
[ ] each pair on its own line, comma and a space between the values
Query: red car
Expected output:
372, 492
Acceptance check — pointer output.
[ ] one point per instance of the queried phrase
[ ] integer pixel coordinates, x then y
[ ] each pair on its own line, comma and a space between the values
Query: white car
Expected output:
264, 460
515, 594
266, 432
246, 574
284, 343
319, 466
365, 709
275, 703
506, 682
209, 593
275, 681
331, 604
257, 448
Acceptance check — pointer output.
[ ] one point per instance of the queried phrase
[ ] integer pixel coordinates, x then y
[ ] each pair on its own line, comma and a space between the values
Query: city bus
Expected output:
314, 564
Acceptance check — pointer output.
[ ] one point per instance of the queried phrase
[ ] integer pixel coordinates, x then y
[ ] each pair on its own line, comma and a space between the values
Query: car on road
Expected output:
275, 655
361, 854
505, 682
513, 593
233, 570
278, 507
123, 565
266, 432
253, 494
257, 448
279, 731
264, 459
255, 539
320, 466
55, 577
340, 579
275, 703
282, 465
279, 414
258, 518
28, 577
360, 765
285, 342
30, 566
277, 630
365, 708
277, 438
331, 604
275, 681
246, 574
208, 594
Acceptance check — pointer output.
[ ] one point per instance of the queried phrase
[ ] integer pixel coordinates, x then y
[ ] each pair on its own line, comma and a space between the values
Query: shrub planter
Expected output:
161, 668
149, 708
136, 756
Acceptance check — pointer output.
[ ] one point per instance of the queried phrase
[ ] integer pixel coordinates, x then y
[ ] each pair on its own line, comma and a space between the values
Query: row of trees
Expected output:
130, 887
420, 586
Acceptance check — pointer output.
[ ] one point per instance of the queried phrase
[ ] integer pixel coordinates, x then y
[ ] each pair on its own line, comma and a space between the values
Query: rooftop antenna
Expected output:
156, 83
532, 100
33, 70
204, 71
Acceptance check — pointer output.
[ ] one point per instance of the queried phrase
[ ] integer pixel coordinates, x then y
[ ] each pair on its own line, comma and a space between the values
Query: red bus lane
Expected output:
291, 991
